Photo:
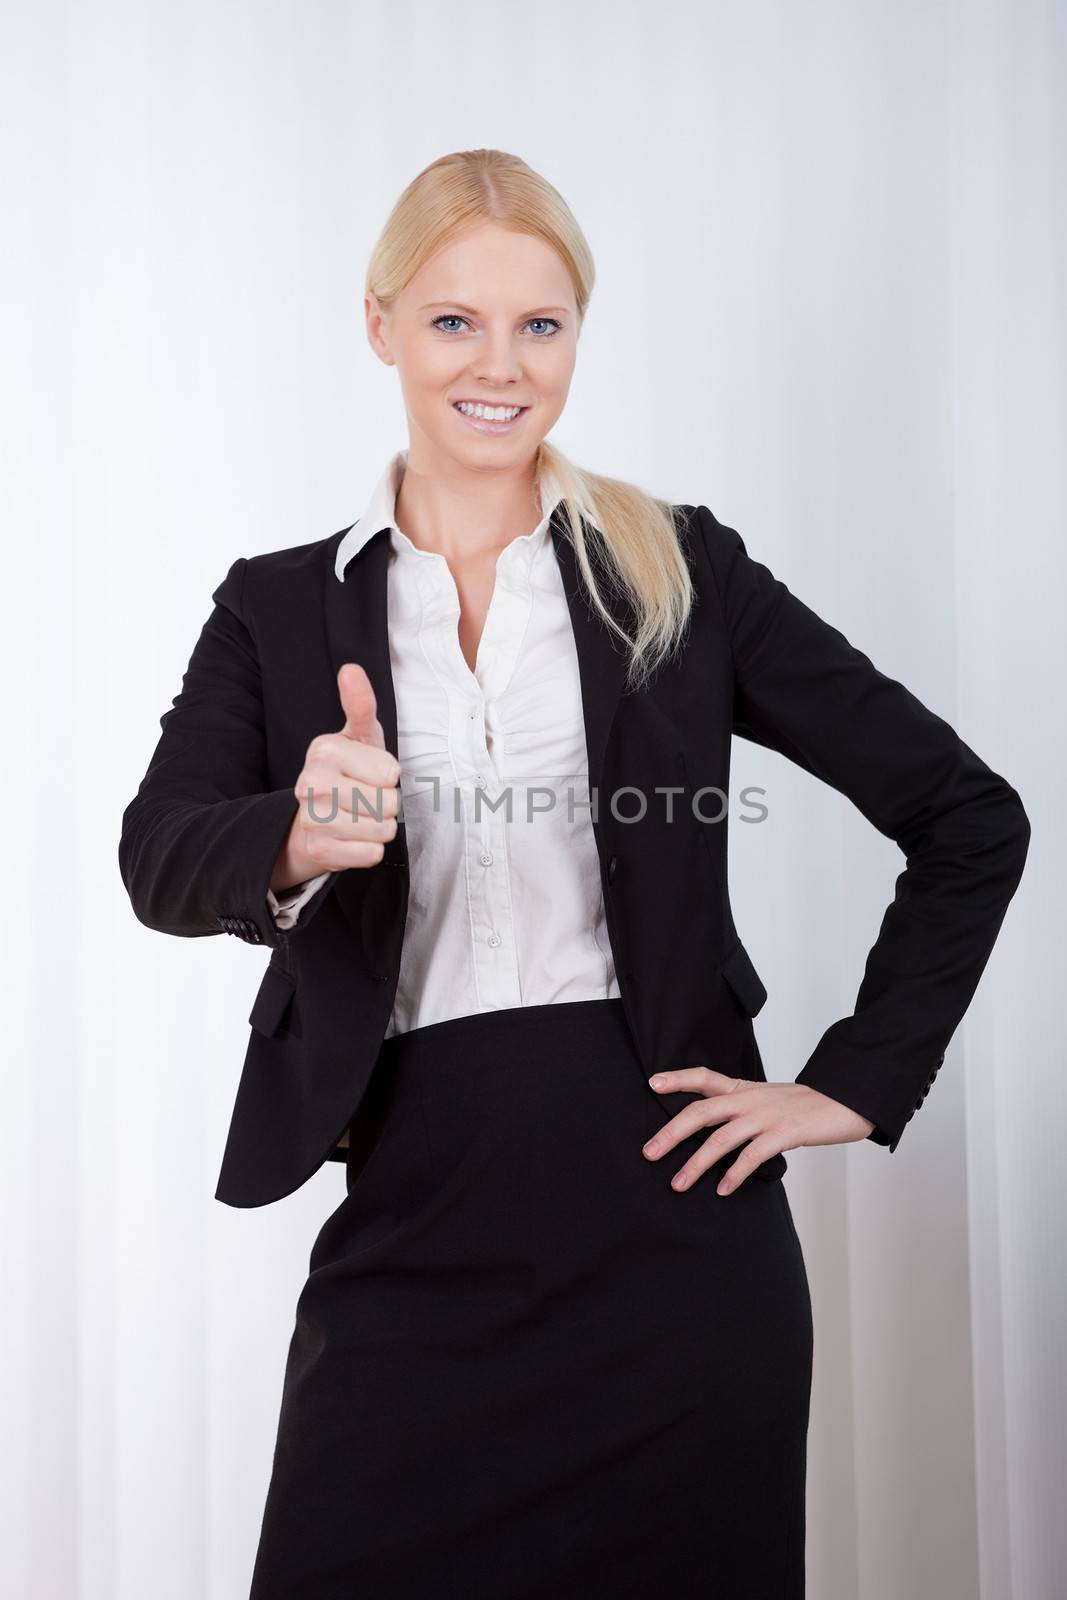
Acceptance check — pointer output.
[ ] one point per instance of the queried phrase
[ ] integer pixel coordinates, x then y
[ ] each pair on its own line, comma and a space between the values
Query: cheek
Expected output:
554, 373
426, 371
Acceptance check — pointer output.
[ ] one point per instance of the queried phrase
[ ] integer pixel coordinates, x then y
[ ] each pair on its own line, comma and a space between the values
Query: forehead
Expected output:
491, 268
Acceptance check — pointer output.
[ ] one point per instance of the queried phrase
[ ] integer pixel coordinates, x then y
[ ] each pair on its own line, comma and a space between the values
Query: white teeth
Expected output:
488, 413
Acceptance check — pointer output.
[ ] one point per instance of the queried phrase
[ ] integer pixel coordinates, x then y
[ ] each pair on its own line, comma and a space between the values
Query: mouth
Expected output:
483, 424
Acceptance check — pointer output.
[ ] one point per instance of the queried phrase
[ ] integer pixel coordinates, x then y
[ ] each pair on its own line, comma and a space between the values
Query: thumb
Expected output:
359, 705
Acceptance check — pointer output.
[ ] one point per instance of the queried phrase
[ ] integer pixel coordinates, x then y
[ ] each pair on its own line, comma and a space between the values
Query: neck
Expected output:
455, 512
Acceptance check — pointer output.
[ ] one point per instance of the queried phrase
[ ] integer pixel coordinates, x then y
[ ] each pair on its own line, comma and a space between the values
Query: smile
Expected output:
490, 419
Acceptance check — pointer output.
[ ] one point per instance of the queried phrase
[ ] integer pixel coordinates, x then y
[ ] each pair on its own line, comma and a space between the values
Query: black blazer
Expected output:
200, 839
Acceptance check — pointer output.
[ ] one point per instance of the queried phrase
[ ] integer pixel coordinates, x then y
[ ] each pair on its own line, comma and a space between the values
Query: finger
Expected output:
337, 855
370, 796
759, 1147
347, 830
704, 1079
754, 1155
369, 765
359, 705
346, 812
697, 1114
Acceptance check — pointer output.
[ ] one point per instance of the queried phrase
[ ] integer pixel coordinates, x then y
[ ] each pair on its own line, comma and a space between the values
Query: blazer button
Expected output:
611, 869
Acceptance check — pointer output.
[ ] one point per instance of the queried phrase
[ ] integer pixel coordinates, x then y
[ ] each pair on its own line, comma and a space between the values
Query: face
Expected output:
490, 320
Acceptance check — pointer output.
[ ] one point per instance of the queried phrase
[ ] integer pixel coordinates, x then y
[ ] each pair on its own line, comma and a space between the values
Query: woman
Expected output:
526, 1362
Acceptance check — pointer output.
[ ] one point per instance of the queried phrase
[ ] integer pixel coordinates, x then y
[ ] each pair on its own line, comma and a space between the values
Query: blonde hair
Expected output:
640, 553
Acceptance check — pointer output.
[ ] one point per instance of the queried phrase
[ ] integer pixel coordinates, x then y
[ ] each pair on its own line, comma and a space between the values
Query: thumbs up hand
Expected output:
349, 792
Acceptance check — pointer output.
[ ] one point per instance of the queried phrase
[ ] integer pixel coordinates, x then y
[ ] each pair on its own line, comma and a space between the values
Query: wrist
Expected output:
292, 866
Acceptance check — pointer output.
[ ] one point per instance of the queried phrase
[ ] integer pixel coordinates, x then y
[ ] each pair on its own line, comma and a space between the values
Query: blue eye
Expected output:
550, 322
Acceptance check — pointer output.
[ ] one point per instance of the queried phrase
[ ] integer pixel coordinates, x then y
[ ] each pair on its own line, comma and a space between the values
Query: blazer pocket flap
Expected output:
744, 980
269, 1007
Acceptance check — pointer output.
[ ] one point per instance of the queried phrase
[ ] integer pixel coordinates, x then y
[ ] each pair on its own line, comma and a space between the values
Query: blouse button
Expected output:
486, 858
493, 939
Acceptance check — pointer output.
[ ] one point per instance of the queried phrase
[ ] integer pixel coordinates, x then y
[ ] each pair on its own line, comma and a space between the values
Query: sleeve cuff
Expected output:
286, 907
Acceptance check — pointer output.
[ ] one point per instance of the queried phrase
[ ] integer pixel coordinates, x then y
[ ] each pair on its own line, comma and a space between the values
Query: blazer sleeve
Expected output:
200, 839
802, 689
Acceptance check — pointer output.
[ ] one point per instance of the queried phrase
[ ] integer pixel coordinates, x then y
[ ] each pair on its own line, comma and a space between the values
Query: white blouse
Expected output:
505, 906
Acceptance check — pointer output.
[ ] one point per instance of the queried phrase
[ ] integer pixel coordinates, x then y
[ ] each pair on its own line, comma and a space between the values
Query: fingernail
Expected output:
680, 1180
656, 1082
724, 1187
651, 1147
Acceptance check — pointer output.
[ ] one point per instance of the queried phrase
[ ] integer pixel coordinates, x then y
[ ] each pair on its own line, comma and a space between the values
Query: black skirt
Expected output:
526, 1368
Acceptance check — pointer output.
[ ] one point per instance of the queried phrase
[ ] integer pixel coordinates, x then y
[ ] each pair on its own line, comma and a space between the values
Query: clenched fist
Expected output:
348, 778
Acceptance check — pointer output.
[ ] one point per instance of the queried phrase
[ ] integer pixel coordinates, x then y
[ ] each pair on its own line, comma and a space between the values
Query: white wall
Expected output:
832, 239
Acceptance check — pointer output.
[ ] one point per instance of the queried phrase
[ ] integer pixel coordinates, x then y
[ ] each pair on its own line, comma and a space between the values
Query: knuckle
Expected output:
369, 824
370, 800
315, 779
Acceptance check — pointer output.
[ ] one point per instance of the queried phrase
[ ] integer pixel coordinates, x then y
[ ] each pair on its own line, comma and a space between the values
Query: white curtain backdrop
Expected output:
832, 256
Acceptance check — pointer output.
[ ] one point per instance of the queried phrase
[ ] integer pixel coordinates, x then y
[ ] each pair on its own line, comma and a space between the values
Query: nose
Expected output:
499, 362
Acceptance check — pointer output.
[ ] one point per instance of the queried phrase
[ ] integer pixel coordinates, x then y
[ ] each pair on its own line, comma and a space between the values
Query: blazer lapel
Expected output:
602, 657
357, 618
357, 611
357, 624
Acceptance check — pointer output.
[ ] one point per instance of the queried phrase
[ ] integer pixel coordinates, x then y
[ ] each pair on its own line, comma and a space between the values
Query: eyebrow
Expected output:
470, 311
